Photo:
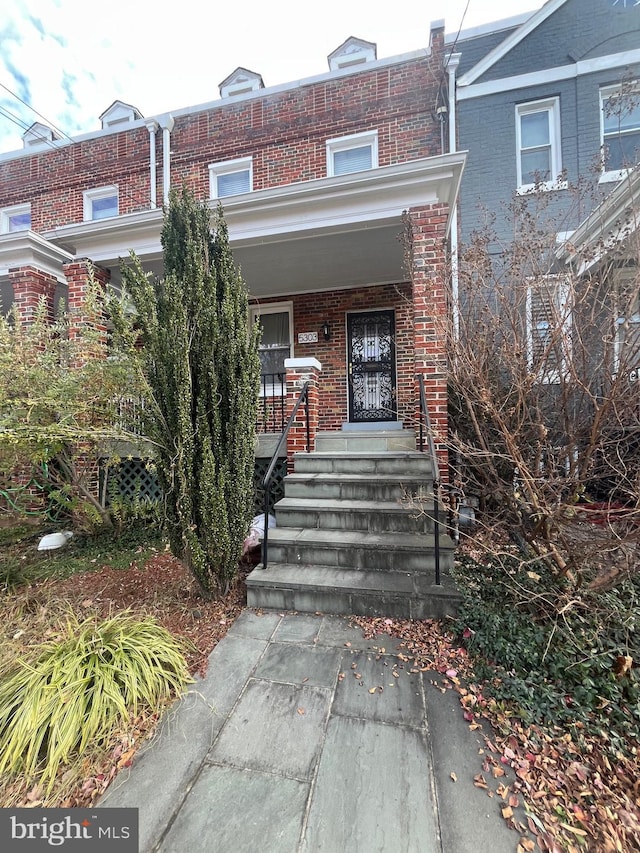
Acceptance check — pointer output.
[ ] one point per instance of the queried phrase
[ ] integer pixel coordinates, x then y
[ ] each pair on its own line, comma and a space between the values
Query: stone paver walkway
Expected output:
305, 737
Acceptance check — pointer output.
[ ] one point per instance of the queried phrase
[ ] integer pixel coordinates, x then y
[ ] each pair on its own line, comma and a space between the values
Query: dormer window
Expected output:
119, 113
16, 218
101, 203
240, 82
231, 177
39, 135
352, 52
354, 153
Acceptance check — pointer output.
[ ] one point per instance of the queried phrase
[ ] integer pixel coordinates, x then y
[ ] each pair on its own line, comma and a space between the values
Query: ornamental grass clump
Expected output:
79, 688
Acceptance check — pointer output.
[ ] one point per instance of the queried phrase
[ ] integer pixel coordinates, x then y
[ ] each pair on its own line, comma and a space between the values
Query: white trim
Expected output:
229, 167
606, 92
510, 42
255, 311
26, 248
486, 29
561, 311
548, 75
7, 214
98, 194
347, 143
550, 106
362, 199
302, 362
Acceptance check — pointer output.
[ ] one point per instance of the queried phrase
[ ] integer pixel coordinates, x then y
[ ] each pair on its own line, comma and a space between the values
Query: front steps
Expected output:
354, 533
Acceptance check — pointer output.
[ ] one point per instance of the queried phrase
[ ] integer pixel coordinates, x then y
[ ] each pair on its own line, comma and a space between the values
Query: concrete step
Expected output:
369, 440
349, 549
359, 487
366, 516
404, 464
330, 590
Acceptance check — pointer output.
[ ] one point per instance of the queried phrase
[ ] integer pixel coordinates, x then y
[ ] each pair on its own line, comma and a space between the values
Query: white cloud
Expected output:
71, 59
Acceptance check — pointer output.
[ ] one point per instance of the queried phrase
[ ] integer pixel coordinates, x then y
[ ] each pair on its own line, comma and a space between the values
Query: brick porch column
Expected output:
299, 371
30, 286
86, 320
430, 317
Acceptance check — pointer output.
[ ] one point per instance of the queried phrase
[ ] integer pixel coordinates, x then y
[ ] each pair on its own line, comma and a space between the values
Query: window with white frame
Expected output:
100, 203
627, 323
17, 218
620, 129
538, 143
231, 177
276, 342
355, 153
549, 328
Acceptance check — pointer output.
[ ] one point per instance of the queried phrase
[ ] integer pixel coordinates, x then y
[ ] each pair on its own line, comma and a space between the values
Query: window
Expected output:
549, 328
16, 218
620, 123
538, 141
627, 332
276, 343
100, 203
354, 153
231, 177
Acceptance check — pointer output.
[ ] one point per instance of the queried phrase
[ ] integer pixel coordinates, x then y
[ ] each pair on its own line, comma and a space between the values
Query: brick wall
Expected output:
30, 286
310, 312
284, 131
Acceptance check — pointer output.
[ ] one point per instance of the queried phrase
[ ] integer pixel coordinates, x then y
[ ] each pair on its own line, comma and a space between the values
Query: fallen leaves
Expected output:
578, 797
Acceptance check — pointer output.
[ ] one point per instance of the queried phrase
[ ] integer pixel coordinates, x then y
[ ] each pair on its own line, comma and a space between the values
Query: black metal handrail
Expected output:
425, 424
266, 483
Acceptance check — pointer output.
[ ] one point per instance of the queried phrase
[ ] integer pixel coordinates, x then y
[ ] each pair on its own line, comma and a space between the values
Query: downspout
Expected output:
452, 66
166, 123
152, 127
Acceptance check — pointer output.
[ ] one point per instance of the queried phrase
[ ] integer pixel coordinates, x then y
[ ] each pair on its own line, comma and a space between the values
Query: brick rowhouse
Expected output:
287, 132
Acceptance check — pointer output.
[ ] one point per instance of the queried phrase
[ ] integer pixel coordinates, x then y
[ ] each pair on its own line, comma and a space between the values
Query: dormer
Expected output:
119, 113
239, 82
352, 52
38, 135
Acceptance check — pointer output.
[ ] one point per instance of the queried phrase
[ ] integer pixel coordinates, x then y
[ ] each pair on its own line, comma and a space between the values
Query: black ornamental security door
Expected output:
372, 367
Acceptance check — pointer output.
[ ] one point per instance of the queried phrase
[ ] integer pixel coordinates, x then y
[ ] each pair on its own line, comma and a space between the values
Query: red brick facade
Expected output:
285, 131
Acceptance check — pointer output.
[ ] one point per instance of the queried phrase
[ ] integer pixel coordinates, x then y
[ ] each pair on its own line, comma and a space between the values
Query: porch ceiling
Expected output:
312, 261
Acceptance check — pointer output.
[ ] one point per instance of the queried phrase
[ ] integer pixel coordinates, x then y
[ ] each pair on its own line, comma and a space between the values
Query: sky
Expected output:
68, 60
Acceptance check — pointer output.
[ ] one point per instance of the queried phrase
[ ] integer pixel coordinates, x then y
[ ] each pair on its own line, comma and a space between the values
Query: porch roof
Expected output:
608, 228
316, 235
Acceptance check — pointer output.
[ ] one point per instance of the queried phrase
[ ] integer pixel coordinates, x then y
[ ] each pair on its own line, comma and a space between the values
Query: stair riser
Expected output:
367, 521
366, 490
369, 559
401, 467
365, 444
357, 603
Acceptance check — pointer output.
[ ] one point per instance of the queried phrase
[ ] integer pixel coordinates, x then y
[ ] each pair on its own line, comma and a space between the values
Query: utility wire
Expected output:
128, 193
34, 110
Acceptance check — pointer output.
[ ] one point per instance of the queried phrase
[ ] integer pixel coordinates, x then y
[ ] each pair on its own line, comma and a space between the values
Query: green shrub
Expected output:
76, 690
552, 656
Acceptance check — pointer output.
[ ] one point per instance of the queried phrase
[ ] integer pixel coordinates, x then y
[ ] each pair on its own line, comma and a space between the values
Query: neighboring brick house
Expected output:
314, 178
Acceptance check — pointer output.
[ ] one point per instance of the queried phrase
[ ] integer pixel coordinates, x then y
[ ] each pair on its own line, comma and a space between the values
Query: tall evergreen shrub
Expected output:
201, 362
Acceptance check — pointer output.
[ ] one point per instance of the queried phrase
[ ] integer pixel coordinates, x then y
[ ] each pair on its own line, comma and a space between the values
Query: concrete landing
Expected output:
305, 737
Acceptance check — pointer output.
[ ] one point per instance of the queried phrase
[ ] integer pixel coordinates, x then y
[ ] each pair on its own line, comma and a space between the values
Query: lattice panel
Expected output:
277, 483
133, 480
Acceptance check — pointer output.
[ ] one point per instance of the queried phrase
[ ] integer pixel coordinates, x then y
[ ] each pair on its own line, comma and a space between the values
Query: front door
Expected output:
372, 366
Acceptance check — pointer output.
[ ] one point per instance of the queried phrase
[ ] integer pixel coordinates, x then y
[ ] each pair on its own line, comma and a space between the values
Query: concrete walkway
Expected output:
305, 737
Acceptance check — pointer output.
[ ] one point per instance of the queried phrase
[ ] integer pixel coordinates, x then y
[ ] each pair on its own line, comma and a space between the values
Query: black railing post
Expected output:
266, 483
426, 421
